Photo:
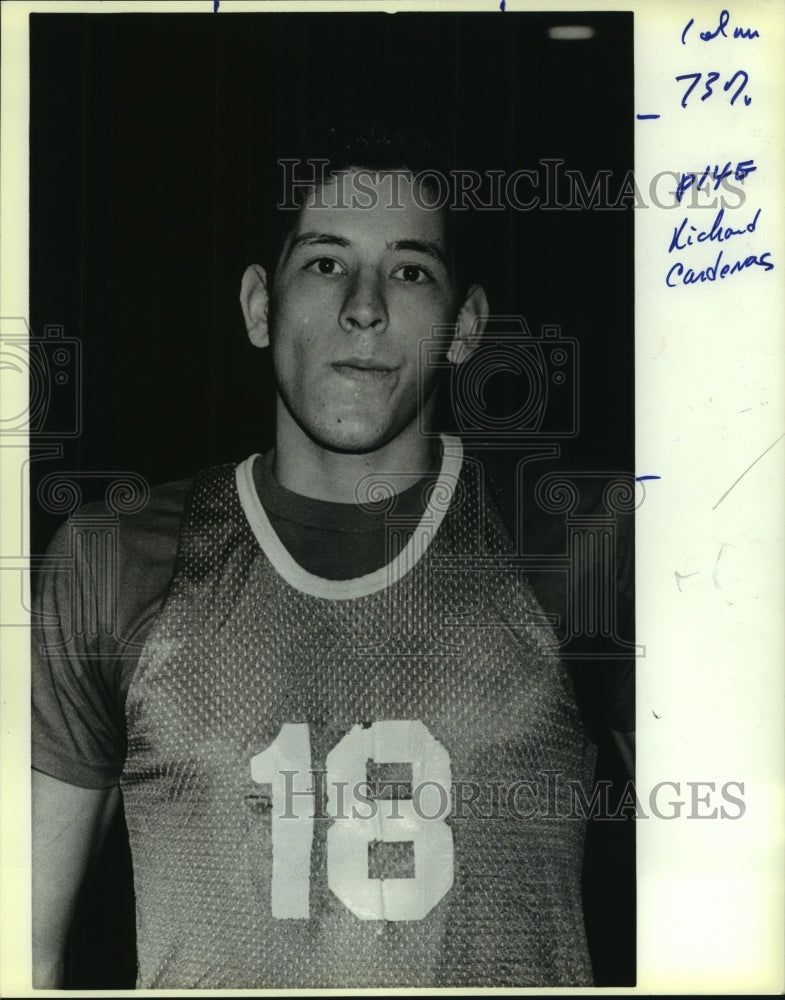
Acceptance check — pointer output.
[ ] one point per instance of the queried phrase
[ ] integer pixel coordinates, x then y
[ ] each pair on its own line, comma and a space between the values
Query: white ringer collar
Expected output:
361, 586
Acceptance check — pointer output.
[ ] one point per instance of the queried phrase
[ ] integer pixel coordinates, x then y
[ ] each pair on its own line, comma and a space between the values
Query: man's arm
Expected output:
69, 826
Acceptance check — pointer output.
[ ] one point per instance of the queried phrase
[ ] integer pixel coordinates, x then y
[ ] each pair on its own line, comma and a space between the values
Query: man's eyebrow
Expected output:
432, 250
313, 239
426, 247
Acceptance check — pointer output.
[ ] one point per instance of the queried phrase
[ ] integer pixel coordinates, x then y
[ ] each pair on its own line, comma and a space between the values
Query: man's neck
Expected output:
304, 467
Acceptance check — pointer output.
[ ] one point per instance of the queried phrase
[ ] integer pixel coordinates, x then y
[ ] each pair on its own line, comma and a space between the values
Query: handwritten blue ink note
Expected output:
710, 316
716, 176
723, 21
726, 182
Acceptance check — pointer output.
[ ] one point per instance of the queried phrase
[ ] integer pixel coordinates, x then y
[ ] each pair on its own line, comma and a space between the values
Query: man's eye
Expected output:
412, 273
326, 265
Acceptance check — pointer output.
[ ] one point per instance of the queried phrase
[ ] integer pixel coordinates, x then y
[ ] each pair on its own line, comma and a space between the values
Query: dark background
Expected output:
153, 139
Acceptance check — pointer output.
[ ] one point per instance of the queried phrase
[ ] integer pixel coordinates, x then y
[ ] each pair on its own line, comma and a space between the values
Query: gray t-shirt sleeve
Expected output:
96, 597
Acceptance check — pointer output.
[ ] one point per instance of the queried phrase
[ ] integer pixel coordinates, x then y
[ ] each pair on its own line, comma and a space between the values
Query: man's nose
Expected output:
364, 307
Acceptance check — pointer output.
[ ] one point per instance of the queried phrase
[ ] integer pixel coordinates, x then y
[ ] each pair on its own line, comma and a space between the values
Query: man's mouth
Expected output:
363, 370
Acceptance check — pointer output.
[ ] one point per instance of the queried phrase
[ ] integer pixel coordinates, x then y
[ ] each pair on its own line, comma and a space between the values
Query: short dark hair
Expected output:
333, 149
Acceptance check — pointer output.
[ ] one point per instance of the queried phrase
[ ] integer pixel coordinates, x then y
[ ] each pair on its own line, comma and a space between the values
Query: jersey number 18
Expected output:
286, 765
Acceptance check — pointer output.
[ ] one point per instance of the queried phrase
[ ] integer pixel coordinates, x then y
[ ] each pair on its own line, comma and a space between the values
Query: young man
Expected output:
344, 745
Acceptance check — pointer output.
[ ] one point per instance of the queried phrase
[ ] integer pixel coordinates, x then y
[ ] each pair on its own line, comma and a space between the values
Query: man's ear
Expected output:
255, 299
469, 327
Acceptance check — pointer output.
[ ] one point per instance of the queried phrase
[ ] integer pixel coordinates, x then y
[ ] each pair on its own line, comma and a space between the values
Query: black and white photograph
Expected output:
322, 687
333, 482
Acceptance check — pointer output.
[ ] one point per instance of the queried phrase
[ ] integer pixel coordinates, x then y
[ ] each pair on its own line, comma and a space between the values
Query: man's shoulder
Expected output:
148, 529
161, 501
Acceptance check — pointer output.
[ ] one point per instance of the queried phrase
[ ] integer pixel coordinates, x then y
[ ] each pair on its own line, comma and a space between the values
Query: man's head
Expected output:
364, 275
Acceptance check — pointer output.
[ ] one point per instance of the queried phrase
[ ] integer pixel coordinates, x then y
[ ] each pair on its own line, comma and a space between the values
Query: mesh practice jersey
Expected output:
357, 783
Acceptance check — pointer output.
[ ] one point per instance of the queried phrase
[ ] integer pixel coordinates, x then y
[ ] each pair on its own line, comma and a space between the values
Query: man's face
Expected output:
355, 292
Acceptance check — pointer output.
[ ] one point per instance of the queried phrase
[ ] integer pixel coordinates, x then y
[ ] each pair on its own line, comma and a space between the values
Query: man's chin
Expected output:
351, 441
352, 435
